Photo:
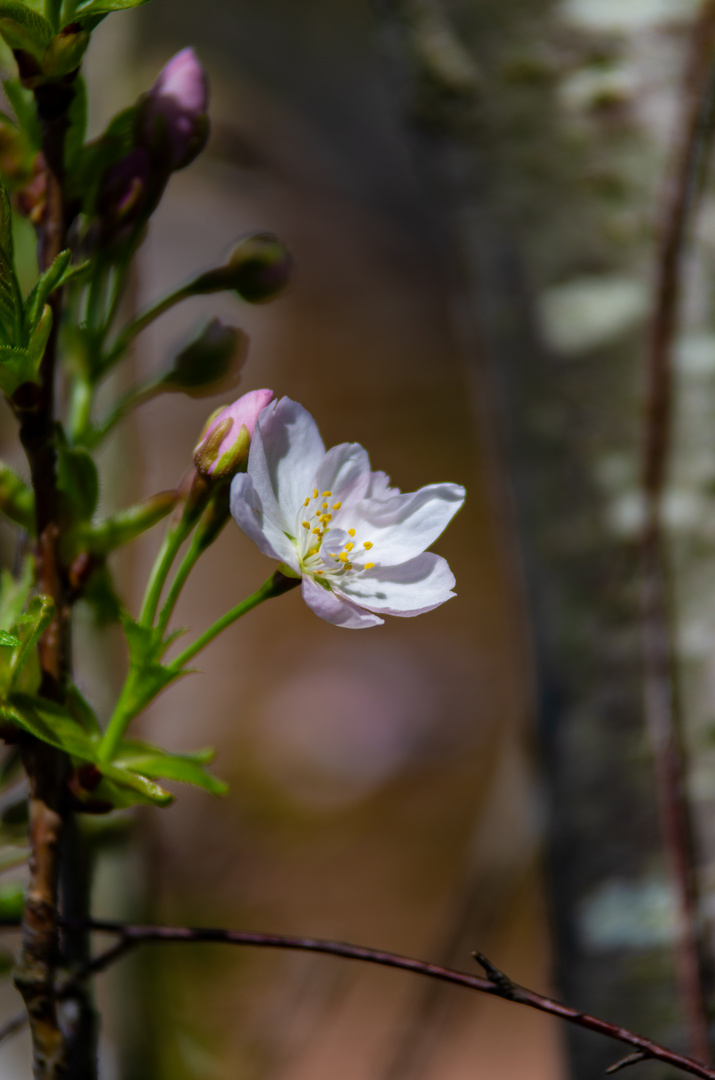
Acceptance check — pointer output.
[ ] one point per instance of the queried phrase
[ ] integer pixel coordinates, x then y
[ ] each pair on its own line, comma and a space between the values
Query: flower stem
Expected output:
167, 553
142, 321
189, 561
276, 585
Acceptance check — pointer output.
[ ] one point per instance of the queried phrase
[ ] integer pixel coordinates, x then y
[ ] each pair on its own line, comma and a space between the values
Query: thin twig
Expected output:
69, 987
663, 714
497, 985
624, 1063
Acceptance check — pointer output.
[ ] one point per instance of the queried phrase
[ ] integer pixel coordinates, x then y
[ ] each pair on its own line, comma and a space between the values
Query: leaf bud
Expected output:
211, 363
173, 119
223, 447
258, 269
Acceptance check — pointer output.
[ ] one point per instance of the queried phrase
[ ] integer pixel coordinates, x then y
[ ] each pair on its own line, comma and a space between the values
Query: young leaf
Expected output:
23, 105
23, 28
9, 641
78, 481
123, 787
16, 499
147, 676
64, 53
29, 627
13, 594
50, 722
92, 8
158, 764
53, 277
100, 594
10, 296
81, 711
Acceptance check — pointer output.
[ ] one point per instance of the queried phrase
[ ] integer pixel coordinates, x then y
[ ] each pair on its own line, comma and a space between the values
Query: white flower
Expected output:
357, 543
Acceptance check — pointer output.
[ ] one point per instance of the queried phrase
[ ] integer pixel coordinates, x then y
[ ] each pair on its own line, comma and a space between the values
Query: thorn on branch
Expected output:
629, 1059
507, 988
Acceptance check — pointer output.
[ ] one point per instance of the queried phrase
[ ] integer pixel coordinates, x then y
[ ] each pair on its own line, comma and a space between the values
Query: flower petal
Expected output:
336, 609
285, 453
401, 526
251, 517
379, 486
344, 471
410, 589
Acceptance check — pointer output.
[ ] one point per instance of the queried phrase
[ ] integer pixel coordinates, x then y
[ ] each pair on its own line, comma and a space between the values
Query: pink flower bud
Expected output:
173, 120
223, 447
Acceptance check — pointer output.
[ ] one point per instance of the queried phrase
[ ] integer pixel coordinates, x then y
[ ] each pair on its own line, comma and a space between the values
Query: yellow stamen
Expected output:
305, 524
306, 502
325, 506
349, 547
315, 493
367, 545
351, 532
317, 532
327, 517
337, 505
343, 557
320, 571
368, 566
313, 551
327, 494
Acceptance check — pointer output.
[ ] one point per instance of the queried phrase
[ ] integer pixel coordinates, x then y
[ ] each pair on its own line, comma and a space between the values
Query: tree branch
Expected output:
662, 707
497, 984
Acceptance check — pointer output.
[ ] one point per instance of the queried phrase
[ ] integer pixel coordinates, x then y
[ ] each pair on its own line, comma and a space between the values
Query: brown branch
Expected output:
46, 768
663, 713
496, 985
76, 980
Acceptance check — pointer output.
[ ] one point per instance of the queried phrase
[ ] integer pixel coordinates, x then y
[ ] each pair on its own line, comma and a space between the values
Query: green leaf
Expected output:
78, 482
23, 28
10, 296
104, 7
6, 243
16, 499
83, 713
126, 788
9, 641
147, 676
23, 105
52, 278
30, 627
14, 592
12, 902
50, 722
64, 53
158, 764
20, 364
100, 594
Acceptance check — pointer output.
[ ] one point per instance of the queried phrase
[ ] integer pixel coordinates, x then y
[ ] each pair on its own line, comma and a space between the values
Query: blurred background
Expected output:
470, 193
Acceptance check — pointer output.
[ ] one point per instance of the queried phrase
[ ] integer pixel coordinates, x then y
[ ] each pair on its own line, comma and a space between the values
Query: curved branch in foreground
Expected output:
496, 984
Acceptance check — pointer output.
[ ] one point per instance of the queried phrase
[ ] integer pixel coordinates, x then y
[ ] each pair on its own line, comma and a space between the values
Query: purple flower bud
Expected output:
173, 119
223, 447
122, 192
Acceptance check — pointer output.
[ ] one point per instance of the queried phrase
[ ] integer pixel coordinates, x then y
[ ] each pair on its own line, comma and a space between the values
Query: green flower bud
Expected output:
258, 269
211, 363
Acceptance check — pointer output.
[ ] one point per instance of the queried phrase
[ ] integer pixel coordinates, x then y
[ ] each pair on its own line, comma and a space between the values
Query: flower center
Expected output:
316, 516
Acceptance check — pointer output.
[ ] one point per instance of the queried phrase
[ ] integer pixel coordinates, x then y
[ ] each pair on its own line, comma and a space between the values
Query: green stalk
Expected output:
276, 585
141, 322
173, 540
190, 559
